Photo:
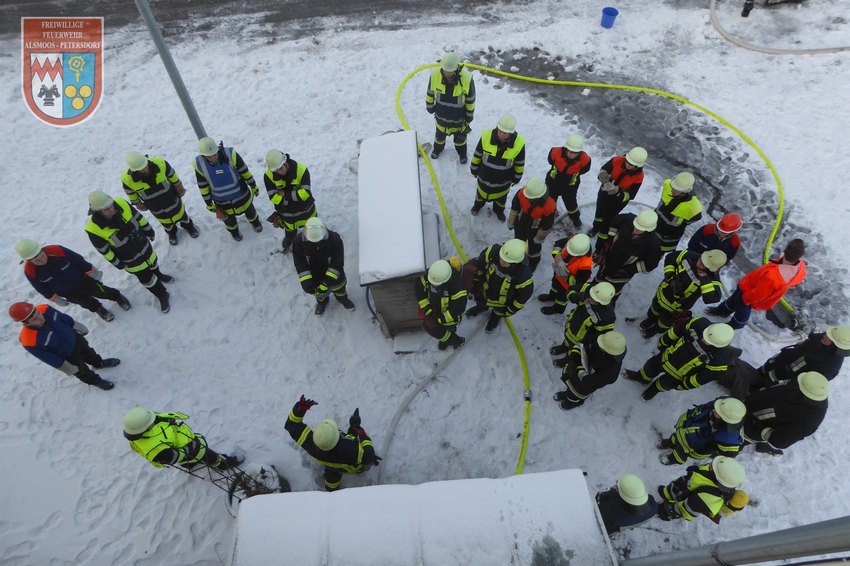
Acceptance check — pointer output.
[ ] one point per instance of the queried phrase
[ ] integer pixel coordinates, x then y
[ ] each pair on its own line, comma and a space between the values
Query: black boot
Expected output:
442, 346
165, 303
190, 227
172, 236
164, 278
461, 157
236, 235
649, 393
576, 218
545, 298
108, 363
286, 244
552, 309
320, 307
103, 313
123, 302
492, 322
664, 444
476, 208
500, 213
635, 376
436, 151
257, 225
558, 350
346, 302
456, 341
766, 448
104, 384
475, 310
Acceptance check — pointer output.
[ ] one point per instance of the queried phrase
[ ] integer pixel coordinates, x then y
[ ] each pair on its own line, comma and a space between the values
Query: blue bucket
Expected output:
608, 16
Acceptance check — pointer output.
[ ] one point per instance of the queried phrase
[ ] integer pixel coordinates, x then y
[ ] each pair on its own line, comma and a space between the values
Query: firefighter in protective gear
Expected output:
762, 288
593, 315
152, 184
707, 430
498, 163
531, 218
625, 505
568, 163
690, 355
572, 265
721, 236
123, 236
64, 276
442, 301
604, 361
687, 277
451, 99
786, 413
288, 186
631, 248
59, 341
619, 181
163, 439
501, 282
823, 352
226, 185
339, 452
319, 258
677, 209
703, 490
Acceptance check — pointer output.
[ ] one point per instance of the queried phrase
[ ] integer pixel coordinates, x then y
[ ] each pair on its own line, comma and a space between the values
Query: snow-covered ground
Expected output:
241, 342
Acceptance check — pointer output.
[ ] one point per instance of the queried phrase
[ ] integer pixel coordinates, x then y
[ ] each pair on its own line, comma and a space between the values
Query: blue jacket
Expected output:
54, 341
62, 273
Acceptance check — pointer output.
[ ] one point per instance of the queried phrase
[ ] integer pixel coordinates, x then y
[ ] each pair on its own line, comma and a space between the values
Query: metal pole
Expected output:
825, 537
176, 79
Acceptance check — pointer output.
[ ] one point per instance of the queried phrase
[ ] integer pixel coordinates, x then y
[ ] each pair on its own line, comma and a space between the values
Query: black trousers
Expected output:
83, 356
87, 292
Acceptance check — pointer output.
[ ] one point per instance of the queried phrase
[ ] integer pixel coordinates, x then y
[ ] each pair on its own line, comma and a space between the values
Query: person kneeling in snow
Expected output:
339, 452
163, 439
626, 504
703, 490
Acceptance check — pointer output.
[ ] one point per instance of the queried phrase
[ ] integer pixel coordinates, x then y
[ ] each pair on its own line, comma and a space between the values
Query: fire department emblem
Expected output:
62, 61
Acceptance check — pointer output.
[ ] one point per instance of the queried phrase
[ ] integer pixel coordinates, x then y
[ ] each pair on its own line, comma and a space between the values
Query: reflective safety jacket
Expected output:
156, 190
686, 357
675, 213
320, 265
587, 321
682, 285
624, 256
351, 455
627, 182
532, 215
290, 194
707, 238
703, 495
699, 436
592, 372
782, 415
505, 289
224, 182
763, 287
61, 274
809, 355
125, 239
54, 341
451, 102
169, 441
498, 165
566, 173
578, 269
443, 304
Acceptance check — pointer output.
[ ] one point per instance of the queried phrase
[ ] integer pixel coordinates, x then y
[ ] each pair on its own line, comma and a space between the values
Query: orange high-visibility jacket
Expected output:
762, 288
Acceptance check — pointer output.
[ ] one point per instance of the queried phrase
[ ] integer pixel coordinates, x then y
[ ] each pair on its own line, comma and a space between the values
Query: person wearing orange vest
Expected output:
572, 265
765, 286
531, 218
59, 341
568, 163
620, 180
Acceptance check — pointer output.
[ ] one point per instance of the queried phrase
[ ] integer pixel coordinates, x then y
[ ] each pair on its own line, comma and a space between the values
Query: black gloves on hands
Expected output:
354, 420
303, 405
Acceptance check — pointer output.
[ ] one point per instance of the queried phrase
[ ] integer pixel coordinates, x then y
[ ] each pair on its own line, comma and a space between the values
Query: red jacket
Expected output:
762, 288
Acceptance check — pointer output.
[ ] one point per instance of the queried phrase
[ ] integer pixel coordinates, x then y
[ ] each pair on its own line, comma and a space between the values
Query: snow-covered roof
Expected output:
389, 208
471, 522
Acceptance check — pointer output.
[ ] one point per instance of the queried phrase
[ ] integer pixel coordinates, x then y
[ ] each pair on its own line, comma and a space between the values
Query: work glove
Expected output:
560, 266
180, 190
255, 189
95, 273
667, 511
377, 460
539, 240
303, 405
609, 187
80, 328
68, 368
358, 432
140, 206
511, 221
61, 301
604, 176
578, 297
354, 420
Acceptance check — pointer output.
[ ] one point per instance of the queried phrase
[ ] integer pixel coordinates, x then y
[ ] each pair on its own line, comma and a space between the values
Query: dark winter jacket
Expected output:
625, 256
685, 356
809, 355
444, 304
155, 189
54, 341
602, 369
587, 321
706, 238
319, 263
60, 275
782, 415
290, 193
503, 289
682, 285
699, 436
125, 239
617, 514
498, 165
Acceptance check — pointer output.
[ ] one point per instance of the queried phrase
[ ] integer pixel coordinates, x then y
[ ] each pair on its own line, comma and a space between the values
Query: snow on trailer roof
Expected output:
533, 518
389, 208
